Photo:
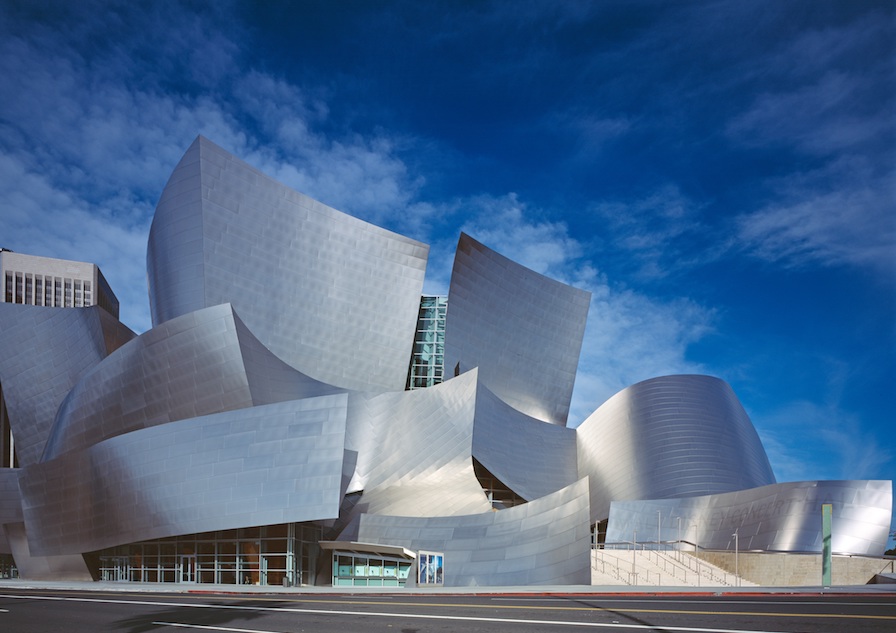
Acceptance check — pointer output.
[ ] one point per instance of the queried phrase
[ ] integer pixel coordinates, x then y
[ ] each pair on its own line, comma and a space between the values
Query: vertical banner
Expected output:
826, 561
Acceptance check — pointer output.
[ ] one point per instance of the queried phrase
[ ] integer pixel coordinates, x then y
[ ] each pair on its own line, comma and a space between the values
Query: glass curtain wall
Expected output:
283, 554
428, 356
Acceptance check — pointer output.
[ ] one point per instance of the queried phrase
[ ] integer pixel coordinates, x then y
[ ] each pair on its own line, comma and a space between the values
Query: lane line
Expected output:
461, 605
459, 618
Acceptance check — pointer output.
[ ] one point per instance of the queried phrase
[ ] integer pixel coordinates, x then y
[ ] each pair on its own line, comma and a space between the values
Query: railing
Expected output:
651, 563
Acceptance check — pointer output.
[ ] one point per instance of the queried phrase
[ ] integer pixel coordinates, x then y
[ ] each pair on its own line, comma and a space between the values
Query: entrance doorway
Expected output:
188, 568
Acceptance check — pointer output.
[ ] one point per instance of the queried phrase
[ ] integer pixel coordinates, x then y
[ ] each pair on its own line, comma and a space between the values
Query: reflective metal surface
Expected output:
270, 391
333, 296
45, 351
204, 362
530, 457
258, 466
543, 542
523, 330
666, 437
781, 517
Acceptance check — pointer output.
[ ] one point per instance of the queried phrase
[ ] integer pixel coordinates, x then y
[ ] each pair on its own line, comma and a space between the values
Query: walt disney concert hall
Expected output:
300, 414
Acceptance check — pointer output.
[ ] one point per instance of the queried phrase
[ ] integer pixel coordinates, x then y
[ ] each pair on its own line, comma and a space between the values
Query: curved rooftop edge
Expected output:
333, 296
544, 542
263, 465
783, 517
201, 363
46, 351
669, 437
521, 329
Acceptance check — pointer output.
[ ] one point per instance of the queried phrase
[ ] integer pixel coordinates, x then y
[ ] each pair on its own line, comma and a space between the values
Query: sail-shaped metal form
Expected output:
268, 401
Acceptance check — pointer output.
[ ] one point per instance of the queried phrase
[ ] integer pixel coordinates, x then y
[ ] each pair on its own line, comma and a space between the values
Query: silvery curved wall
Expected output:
333, 296
530, 457
523, 330
45, 351
547, 541
673, 436
782, 517
202, 363
416, 460
263, 465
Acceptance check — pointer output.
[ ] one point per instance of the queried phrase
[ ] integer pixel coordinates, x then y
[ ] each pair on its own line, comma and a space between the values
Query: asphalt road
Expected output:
33, 611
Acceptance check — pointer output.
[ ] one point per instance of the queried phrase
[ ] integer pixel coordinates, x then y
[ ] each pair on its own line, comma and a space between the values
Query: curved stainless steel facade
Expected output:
545, 542
333, 296
263, 465
674, 436
778, 518
44, 354
523, 330
504, 440
270, 392
202, 363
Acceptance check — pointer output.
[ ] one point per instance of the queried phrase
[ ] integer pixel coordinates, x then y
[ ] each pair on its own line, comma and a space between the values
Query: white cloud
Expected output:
88, 149
814, 223
807, 440
629, 336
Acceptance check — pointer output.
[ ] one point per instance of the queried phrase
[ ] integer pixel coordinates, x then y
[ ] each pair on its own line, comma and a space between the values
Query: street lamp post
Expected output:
659, 528
736, 547
679, 538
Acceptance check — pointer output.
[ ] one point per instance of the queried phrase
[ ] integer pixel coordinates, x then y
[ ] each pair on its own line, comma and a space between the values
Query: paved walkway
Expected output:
132, 587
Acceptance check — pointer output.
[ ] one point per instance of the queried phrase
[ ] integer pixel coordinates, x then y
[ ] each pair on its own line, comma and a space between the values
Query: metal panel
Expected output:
783, 517
333, 296
416, 459
217, 472
45, 352
202, 363
67, 567
669, 437
523, 330
546, 541
530, 457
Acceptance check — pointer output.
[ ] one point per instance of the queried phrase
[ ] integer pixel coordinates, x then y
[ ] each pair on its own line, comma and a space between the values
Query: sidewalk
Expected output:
615, 590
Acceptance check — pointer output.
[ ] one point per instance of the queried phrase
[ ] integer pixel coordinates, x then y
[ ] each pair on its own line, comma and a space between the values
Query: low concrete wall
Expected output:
799, 570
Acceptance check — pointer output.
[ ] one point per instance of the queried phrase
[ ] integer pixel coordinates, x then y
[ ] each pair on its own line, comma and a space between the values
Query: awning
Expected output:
368, 548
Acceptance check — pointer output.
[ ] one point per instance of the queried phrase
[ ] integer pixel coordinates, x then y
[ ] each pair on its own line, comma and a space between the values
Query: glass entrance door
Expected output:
188, 568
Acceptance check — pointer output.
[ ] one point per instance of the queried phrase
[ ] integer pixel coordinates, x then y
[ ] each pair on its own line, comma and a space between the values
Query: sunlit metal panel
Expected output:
263, 465
668, 437
331, 295
202, 363
530, 457
45, 352
544, 542
782, 517
416, 457
523, 330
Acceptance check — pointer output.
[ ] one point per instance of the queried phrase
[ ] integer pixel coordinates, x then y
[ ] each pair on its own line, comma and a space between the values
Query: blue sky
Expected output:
720, 175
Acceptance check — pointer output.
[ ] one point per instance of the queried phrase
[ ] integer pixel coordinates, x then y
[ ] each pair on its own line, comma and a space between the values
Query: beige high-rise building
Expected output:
60, 283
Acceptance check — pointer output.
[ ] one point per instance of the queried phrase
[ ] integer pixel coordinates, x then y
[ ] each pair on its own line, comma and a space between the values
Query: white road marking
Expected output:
419, 616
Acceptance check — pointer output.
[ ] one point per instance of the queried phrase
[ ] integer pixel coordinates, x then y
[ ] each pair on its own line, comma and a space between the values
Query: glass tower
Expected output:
428, 357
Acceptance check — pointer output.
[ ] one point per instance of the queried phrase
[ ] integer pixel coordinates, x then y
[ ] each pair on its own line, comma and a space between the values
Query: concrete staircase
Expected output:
658, 568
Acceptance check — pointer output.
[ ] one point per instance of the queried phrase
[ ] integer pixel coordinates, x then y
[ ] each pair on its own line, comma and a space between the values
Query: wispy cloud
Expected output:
836, 208
839, 214
629, 336
832, 443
